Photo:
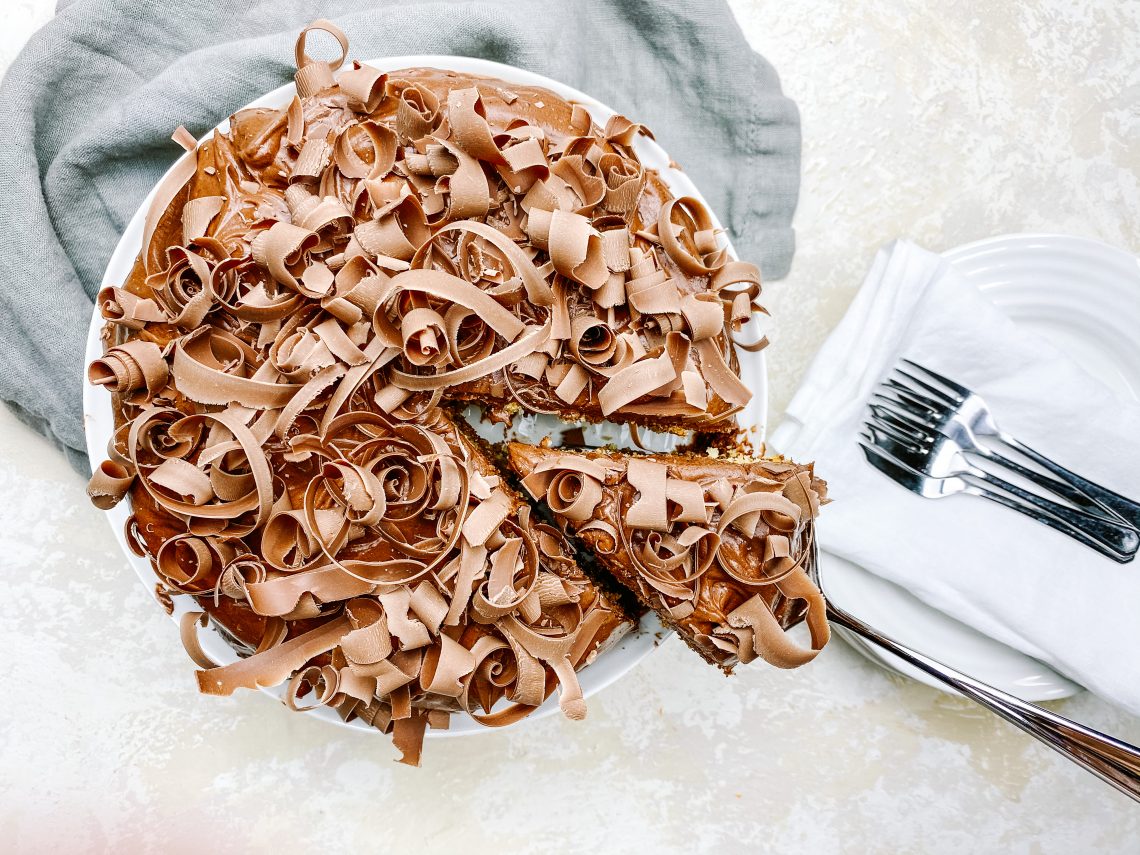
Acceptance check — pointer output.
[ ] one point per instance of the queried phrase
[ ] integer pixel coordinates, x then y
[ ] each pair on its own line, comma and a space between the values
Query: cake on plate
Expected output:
319, 290
716, 546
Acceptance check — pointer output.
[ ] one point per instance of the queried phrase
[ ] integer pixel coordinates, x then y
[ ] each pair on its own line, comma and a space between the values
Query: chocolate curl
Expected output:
445, 666
695, 229
615, 249
471, 567
280, 595
122, 308
274, 666
408, 737
417, 110
574, 245
686, 501
621, 131
197, 377
295, 122
720, 378
759, 634
129, 368
188, 631
549, 194
321, 681
220, 515
183, 480
624, 178
538, 291
573, 383
363, 87
527, 344
187, 290
327, 217
581, 177
379, 138
109, 484
429, 605
313, 75
369, 642
469, 129
198, 214
503, 591
570, 484
167, 191
648, 511
468, 191
526, 164
314, 157
281, 250
704, 315
486, 518
646, 376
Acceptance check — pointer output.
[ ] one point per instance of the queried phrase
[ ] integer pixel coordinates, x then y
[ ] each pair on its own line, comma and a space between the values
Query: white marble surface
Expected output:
944, 121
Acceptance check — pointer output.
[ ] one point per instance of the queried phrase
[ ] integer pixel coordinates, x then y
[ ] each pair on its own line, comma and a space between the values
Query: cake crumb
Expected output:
713, 452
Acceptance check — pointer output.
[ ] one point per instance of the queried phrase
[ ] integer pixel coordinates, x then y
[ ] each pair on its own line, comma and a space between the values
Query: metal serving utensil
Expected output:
1112, 760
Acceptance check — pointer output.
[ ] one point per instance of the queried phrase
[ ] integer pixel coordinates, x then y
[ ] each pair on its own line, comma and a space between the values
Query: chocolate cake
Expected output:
715, 546
317, 288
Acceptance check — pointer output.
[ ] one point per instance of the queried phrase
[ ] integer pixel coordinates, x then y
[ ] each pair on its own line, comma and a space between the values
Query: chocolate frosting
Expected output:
717, 547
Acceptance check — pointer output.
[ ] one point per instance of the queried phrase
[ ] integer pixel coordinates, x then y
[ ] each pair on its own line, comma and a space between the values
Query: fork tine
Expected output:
961, 391
912, 398
916, 398
908, 422
915, 434
877, 426
890, 459
933, 390
896, 407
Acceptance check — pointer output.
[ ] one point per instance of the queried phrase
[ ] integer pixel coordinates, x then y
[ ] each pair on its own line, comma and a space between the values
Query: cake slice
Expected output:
717, 547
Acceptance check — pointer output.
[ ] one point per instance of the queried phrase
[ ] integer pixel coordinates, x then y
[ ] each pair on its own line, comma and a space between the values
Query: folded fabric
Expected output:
1007, 576
91, 102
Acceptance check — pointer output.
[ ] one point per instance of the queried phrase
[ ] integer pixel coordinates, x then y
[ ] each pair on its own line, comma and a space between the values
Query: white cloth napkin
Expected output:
1007, 576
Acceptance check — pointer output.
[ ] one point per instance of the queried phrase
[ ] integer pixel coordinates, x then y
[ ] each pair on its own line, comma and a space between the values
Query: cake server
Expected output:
1112, 760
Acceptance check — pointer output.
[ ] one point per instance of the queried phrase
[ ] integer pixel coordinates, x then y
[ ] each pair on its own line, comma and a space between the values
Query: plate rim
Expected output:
647, 636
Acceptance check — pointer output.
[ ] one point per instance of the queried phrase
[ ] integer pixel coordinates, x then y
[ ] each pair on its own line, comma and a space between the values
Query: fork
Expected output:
935, 455
931, 487
962, 415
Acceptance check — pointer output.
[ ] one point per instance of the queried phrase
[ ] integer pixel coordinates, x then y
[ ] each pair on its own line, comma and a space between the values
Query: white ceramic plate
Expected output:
1084, 297
613, 663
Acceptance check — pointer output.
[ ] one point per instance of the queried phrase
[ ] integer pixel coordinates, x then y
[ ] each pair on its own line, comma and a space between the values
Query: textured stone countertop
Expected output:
946, 123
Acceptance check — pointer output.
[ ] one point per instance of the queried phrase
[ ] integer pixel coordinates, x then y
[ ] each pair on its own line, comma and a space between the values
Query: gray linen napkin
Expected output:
89, 105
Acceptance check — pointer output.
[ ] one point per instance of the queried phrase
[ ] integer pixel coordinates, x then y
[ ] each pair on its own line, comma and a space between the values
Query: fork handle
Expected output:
1061, 488
1050, 519
1112, 760
1122, 506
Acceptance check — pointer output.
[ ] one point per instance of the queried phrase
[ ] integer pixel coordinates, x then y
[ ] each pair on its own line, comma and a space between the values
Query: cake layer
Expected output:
717, 547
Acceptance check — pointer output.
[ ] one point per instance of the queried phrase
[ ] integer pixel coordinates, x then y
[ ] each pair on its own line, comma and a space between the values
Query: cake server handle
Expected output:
1112, 760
